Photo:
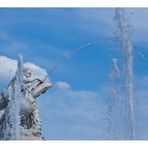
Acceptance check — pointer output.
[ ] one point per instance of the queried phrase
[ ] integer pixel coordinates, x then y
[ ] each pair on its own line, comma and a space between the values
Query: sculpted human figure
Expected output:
32, 87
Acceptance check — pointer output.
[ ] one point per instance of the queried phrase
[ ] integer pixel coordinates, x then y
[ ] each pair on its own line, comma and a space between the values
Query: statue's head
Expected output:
27, 72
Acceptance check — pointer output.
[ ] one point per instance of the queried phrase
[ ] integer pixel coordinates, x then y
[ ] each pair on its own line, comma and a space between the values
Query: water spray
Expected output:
114, 76
127, 50
13, 131
71, 52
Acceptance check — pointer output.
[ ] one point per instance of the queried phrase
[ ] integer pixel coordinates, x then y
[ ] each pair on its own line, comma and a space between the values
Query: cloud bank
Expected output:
8, 68
72, 114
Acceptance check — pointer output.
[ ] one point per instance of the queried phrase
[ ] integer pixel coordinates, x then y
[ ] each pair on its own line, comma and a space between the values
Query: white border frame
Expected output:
73, 3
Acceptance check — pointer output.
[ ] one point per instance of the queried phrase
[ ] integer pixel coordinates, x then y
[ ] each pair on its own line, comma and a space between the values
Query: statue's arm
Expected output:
30, 80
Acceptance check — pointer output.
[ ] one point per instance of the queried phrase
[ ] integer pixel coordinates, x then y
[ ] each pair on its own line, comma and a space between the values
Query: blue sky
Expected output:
77, 109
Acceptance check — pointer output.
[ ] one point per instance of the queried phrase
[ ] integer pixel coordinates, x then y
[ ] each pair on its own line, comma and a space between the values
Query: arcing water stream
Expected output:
71, 52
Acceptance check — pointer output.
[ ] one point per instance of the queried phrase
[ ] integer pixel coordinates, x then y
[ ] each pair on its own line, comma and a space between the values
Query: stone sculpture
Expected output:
30, 123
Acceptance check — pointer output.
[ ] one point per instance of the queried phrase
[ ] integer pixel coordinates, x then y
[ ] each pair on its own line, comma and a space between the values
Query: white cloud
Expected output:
72, 114
62, 85
8, 69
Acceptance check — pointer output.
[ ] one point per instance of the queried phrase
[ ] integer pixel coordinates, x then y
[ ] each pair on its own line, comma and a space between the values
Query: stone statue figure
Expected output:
30, 123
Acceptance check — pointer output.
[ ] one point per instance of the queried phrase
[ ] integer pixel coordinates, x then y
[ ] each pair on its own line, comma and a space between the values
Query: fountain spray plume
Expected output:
18, 95
127, 50
13, 121
114, 75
